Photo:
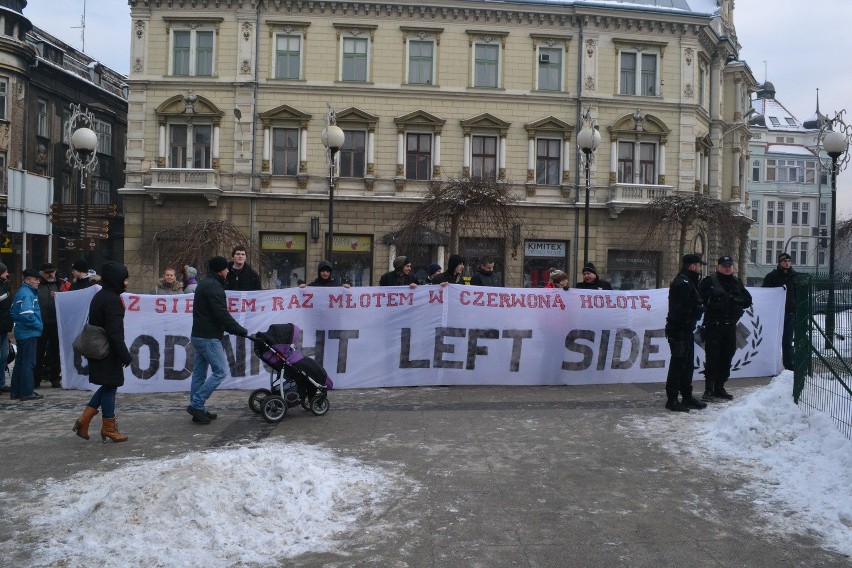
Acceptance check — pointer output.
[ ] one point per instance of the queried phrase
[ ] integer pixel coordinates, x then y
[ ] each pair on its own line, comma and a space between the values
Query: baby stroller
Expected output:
294, 378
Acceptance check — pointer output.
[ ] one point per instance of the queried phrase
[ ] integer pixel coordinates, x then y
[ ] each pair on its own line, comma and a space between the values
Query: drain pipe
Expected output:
253, 184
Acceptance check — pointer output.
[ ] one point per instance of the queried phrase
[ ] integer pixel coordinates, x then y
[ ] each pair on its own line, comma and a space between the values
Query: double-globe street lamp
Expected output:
588, 140
834, 139
333, 139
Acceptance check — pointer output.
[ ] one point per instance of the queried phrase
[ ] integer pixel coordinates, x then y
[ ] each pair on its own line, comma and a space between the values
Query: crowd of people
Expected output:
30, 317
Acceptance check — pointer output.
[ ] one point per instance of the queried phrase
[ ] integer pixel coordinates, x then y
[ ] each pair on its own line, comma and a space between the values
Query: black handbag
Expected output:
92, 343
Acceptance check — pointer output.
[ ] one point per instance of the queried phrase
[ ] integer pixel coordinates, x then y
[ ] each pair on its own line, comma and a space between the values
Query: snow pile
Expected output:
228, 507
798, 465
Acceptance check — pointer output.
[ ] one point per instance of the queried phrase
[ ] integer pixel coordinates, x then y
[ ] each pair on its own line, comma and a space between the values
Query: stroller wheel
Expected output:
320, 405
256, 399
274, 408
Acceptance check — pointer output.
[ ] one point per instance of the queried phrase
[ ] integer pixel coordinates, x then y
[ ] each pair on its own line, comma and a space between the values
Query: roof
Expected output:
698, 7
791, 149
778, 118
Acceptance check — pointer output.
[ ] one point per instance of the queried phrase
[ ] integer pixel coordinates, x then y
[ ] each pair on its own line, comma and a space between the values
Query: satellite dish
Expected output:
238, 114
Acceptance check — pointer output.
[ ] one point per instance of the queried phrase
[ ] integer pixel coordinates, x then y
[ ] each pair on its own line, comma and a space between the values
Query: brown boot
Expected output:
81, 426
108, 430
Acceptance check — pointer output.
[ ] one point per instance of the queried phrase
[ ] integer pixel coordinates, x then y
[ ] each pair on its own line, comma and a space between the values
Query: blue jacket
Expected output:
26, 313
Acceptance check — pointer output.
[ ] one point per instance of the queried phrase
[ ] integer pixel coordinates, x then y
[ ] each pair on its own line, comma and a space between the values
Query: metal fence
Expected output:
823, 347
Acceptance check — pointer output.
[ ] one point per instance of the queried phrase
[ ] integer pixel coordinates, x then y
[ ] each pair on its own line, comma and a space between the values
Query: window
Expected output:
4, 89
41, 117
752, 251
770, 212
823, 214
100, 191
484, 157
647, 173
550, 69
755, 170
486, 65
647, 163
805, 219
189, 146
793, 171
794, 213
418, 156
104, 132
803, 253
3, 190
288, 54
355, 59
285, 151
774, 120
547, 169
625, 162
421, 60
353, 154
755, 209
702, 77
192, 53
770, 253
638, 73
779, 216
790, 122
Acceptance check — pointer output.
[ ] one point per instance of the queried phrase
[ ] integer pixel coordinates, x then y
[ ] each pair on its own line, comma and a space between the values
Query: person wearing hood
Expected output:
785, 277
210, 320
400, 275
591, 281
6, 324
725, 301
558, 279
485, 275
190, 283
107, 311
83, 275
685, 309
168, 284
324, 277
453, 273
241, 276
432, 272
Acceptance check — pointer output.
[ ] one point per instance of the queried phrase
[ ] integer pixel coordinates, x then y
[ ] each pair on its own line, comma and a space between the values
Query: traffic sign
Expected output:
97, 224
110, 210
72, 244
95, 234
64, 218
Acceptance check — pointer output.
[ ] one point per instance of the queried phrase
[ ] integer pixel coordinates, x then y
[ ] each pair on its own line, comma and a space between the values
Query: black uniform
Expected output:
725, 300
685, 309
787, 279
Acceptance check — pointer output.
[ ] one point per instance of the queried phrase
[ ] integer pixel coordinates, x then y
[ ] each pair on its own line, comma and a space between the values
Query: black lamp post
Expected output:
588, 140
834, 143
333, 139
82, 155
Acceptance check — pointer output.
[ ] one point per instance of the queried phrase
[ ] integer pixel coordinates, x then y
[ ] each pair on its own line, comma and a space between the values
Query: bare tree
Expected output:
471, 207
194, 242
676, 216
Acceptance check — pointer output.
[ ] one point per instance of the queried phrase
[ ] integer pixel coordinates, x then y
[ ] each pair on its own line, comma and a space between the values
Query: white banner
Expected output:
457, 335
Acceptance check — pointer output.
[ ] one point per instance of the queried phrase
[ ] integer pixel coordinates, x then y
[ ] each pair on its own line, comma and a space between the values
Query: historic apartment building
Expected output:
40, 78
789, 189
228, 102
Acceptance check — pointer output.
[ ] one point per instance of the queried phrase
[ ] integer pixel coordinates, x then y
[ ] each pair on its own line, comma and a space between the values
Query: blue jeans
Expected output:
4, 354
208, 352
22, 375
104, 398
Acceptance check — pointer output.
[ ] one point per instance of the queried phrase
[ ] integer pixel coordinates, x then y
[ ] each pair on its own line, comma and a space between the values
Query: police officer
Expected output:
685, 309
725, 300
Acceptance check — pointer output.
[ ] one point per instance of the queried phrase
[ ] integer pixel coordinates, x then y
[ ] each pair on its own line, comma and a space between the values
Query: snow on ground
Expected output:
798, 466
242, 506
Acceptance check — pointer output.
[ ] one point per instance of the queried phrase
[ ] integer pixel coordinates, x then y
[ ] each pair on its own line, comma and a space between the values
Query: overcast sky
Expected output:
803, 45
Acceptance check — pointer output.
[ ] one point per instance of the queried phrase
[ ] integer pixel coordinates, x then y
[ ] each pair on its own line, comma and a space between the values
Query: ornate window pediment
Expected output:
419, 119
190, 107
485, 121
284, 113
628, 127
549, 124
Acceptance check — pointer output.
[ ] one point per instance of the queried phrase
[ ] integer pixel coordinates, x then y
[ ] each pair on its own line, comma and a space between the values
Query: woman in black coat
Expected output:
107, 311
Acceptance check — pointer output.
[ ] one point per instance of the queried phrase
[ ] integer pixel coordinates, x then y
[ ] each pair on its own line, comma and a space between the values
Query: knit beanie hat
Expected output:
80, 265
589, 267
433, 268
558, 276
217, 264
399, 262
3, 268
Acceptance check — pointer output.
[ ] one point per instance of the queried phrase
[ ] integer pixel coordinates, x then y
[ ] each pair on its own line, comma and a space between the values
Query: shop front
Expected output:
540, 257
286, 255
633, 269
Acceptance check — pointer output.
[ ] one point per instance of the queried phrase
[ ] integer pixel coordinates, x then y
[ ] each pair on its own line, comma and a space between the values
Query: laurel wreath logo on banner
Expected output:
749, 338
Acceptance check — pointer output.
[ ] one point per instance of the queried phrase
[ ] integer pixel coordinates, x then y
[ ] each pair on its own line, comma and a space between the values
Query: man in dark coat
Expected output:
484, 275
785, 277
210, 321
400, 275
725, 301
241, 276
47, 351
324, 277
453, 273
591, 281
83, 275
685, 309
6, 324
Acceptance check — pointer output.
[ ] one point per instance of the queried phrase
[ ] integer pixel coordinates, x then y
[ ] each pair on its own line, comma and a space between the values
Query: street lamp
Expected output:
588, 140
333, 139
835, 141
81, 154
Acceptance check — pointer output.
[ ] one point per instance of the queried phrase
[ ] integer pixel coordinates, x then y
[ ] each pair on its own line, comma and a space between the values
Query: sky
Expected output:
761, 437
781, 40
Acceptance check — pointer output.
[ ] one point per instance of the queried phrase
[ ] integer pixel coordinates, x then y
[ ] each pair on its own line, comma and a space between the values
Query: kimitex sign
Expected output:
548, 249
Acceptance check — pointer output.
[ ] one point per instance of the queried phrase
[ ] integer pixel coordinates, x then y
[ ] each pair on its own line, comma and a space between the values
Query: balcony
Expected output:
184, 181
634, 196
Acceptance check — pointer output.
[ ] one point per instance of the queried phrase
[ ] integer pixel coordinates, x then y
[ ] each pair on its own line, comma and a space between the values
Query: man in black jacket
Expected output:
485, 275
47, 350
241, 276
685, 309
210, 321
400, 275
785, 277
6, 324
725, 301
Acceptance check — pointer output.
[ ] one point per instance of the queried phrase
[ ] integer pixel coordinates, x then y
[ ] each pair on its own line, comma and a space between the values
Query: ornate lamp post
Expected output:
333, 139
81, 154
834, 139
588, 140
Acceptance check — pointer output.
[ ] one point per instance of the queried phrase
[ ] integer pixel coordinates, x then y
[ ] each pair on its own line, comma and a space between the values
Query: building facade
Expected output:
40, 79
228, 101
789, 190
